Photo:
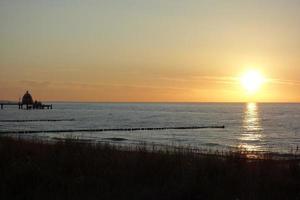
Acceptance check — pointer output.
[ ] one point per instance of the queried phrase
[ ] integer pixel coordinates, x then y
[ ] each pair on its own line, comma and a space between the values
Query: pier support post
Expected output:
1, 106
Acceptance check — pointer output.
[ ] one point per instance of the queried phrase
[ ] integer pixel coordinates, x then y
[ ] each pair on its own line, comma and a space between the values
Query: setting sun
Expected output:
252, 81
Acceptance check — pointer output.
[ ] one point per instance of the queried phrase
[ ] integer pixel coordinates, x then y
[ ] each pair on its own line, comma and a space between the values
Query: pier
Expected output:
26, 106
27, 103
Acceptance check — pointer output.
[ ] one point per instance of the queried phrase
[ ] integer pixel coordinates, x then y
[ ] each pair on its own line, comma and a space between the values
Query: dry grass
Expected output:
72, 170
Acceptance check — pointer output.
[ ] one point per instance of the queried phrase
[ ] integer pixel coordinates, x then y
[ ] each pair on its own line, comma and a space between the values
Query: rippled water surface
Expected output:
257, 127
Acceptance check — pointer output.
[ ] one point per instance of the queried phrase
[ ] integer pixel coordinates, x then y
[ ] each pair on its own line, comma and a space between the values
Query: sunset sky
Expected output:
149, 50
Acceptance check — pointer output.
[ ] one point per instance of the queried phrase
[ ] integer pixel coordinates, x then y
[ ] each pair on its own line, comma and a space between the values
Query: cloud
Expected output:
215, 79
33, 83
228, 80
285, 82
95, 86
81, 85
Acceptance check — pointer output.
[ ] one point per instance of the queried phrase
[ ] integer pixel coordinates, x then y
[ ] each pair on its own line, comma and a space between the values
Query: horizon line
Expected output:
78, 101
170, 102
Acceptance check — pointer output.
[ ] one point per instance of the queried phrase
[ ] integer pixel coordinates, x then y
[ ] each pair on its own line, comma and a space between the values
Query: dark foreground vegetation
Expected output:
72, 170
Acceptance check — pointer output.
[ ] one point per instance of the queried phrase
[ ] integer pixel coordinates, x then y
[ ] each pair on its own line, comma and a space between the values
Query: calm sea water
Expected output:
257, 127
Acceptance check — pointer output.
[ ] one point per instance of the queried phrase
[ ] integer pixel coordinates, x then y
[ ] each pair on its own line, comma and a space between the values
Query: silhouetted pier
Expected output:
27, 103
26, 106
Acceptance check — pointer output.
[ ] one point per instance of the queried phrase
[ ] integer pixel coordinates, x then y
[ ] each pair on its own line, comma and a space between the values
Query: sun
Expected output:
252, 81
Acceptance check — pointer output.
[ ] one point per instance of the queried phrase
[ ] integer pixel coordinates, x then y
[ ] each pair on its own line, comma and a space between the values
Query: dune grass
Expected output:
74, 170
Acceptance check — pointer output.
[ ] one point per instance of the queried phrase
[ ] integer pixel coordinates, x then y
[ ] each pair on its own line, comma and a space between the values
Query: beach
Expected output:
70, 169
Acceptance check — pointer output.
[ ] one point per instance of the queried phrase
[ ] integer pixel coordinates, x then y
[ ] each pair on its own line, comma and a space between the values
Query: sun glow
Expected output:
252, 81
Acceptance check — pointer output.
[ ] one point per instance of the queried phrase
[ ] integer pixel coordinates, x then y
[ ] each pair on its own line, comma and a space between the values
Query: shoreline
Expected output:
72, 170
207, 151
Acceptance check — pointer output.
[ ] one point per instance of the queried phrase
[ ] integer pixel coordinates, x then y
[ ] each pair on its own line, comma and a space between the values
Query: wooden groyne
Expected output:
113, 129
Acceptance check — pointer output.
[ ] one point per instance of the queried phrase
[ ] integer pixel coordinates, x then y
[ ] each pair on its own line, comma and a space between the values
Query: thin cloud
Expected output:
33, 83
215, 79
285, 82
229, 80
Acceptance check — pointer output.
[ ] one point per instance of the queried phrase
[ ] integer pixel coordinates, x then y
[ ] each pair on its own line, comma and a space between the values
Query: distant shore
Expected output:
74, 170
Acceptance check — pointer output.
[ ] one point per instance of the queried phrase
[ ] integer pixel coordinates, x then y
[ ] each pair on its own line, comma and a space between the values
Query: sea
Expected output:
257, 127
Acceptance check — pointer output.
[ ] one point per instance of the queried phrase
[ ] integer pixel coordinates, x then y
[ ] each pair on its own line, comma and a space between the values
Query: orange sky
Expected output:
162, 51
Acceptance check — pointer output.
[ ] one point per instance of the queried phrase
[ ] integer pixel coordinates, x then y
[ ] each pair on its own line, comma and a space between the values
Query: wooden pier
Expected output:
27, 103
26, 106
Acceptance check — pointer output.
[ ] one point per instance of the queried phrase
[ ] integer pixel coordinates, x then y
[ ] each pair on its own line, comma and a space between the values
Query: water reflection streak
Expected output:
253, 131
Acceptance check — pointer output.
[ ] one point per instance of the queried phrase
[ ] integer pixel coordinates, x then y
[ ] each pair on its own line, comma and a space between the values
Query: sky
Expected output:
149, 50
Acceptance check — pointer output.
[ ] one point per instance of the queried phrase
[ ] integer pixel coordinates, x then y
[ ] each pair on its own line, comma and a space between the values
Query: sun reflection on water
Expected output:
252, 129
